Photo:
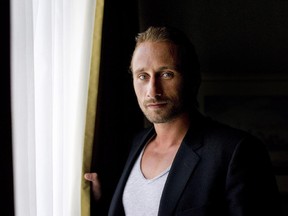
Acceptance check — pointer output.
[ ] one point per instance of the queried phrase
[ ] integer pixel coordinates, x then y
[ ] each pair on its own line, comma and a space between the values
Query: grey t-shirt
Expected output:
141, 196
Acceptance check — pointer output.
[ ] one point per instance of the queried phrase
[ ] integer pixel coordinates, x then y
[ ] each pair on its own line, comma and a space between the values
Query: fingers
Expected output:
91, 177
95, 183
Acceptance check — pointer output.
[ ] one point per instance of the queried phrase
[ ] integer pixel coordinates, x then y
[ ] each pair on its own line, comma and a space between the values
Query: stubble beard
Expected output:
167, 114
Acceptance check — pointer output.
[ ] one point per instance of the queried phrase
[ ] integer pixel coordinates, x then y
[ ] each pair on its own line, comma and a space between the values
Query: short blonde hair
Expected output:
153, 34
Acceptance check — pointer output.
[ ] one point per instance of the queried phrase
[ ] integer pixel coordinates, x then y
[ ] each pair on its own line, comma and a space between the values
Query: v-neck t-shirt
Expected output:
141, 196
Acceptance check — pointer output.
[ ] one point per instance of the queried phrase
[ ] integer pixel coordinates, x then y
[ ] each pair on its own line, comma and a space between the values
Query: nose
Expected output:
154, 88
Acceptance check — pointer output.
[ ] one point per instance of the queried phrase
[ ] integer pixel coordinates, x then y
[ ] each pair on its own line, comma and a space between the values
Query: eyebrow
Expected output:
167, 67
159, 69
138, 70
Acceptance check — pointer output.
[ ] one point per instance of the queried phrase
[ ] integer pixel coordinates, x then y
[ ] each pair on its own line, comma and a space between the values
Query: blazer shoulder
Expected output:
220, 134
224, 131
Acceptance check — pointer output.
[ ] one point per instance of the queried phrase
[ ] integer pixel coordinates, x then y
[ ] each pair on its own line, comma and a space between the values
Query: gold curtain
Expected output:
91, 106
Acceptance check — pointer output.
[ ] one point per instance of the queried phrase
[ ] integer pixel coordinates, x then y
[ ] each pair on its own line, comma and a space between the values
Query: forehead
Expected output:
153, 53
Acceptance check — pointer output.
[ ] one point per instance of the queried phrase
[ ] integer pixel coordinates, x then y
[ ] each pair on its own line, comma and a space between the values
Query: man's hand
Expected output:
95, 184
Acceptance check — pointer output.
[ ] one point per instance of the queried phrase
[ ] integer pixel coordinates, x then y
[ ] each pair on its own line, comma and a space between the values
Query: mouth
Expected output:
156, 105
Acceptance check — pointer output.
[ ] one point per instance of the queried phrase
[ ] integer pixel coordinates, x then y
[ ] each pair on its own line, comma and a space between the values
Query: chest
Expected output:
155, 160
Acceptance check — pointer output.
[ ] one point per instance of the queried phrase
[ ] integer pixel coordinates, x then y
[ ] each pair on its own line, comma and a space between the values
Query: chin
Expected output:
159, 120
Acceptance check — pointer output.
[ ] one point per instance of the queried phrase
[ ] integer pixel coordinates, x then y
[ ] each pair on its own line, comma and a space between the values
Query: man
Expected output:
186, 163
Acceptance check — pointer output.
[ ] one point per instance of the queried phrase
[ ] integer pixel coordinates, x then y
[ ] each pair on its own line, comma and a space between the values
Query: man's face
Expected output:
157, 81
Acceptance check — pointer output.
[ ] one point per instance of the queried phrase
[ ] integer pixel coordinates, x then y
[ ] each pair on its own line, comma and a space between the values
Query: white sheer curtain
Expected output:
51, 47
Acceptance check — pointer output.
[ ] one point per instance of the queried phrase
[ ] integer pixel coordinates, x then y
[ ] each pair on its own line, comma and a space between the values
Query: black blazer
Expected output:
218, 170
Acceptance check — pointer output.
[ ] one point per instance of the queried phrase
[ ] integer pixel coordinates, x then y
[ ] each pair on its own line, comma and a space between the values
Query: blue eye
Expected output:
142, 76
167, 75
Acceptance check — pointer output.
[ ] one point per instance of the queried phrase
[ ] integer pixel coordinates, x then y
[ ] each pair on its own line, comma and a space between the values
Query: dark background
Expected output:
236, 41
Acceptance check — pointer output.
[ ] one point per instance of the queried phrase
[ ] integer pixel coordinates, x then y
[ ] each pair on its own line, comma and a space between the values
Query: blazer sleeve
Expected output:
251, 187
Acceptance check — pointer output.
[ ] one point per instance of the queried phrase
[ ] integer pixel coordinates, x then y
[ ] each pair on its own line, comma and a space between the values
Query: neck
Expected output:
172, 132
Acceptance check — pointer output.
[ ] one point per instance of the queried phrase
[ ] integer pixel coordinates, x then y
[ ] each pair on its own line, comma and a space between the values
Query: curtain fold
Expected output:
91, 106
50, 53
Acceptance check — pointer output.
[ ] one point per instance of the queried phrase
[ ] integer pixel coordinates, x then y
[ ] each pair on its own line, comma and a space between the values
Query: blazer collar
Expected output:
182, 168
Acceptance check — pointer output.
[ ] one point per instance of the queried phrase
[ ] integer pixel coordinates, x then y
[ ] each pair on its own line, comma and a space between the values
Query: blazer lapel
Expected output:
182, 168
180, 172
